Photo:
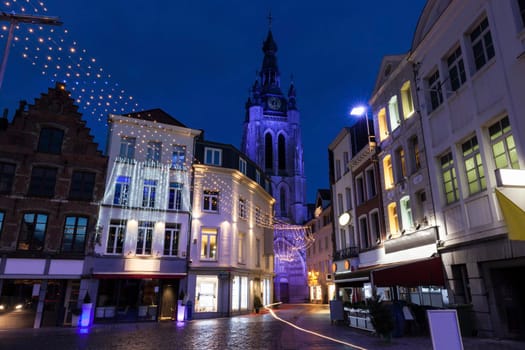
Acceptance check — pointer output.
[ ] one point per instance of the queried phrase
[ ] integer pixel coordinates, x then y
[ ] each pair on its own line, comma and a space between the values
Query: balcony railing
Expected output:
348, 252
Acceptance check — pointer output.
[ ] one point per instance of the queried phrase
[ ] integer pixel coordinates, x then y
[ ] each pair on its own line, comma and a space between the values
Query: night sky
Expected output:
196, 59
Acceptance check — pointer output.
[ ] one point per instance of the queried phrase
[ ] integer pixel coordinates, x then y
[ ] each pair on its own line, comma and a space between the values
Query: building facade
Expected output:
272, 139
469, 59
139, 265
231, 244
51, 181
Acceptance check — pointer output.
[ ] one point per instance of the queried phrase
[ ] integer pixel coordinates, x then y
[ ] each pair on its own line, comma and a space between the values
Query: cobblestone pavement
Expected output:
254, 331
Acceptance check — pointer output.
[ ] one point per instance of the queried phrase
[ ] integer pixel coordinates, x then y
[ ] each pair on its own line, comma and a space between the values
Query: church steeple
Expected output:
270, 76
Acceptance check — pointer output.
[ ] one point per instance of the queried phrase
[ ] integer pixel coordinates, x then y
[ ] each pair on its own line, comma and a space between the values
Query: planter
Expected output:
86, 319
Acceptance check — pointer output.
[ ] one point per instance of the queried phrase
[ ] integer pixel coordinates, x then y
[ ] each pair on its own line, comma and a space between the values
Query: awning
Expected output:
354, 278
135, 275
511, 202
425, 272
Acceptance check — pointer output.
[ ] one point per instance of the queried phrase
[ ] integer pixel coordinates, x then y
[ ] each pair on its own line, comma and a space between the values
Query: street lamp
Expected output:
360, 111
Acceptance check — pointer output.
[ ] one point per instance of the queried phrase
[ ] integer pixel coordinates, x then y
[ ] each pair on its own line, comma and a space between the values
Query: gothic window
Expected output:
268, 151
281, 151
282, 202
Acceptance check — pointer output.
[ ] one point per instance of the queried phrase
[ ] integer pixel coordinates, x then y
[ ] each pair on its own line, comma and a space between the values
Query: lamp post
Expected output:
360, 111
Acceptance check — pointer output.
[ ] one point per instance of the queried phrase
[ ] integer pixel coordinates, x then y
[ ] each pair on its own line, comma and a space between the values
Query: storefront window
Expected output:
206, 294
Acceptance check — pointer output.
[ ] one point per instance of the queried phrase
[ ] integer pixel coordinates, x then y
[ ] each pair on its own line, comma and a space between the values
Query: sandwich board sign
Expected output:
444, 330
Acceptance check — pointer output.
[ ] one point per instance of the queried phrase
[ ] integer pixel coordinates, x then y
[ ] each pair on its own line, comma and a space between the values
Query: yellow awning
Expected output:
514, 217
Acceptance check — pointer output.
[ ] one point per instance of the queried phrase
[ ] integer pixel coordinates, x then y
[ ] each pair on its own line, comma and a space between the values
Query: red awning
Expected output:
426, 272
138, 275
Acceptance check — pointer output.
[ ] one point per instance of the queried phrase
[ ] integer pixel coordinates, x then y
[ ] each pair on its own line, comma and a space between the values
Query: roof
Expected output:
156, 115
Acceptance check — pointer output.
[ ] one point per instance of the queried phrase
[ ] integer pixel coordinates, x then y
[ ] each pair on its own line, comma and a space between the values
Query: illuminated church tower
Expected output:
272, 139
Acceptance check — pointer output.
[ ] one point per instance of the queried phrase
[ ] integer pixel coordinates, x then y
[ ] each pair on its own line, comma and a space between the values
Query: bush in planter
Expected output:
87, 298
76, 311
257, 303
381, 317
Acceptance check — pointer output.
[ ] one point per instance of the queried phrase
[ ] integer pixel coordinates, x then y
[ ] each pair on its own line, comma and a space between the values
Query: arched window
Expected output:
268, 151
282, 202
281, 151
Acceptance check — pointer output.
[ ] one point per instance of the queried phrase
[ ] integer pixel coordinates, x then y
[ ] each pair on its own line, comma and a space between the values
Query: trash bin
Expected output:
189, 310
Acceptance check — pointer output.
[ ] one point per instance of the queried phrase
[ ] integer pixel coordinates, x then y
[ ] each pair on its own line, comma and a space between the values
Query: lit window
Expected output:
393, 113
406, 100
178, 157
242, 208
154, 151
503, 145
75, 230
149, 192
127, 148
171, 239
473, 166
43, 181
144, 238
212, 156
456, 69
175, 196
116, 235
33, 232
7, 176
435, 93
206, 293
121, 190
242, 166
389, 173
211, 201
50, 140
241, 241
82, 185
450, 183
383, 128
482, 46
209, 244
393, 219
406, 213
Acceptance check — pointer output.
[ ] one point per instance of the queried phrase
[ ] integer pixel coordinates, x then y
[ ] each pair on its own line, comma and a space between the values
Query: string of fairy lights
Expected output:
56, 55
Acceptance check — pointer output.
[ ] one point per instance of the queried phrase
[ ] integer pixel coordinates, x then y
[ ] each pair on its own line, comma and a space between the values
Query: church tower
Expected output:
272, 137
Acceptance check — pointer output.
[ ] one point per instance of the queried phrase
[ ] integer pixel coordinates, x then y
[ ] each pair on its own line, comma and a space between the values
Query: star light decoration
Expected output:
56, 55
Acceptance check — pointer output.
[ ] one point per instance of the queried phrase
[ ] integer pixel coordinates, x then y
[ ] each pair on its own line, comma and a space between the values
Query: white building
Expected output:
141, 246
470, 65
231, 249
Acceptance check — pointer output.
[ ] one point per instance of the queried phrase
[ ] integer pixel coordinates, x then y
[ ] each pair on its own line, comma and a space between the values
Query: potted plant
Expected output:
381, 317
257, 303
87, 311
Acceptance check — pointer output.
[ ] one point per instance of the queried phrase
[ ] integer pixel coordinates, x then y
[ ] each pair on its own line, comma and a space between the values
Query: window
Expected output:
406, 100
258, 176
521, 4
346, 161
456, 69
209, 244
481, 41
435, 93
383, 128
171, 239
371, 182
148, 193
122, 190
127, 147
257, 252
393, 219
389, 173
213, 156
144, 238
502, 144
401, 168
375, 228
241, 241
33, 232
337, 169
473, 166
342, 233
340, 203
363, 228
415, 160
348, 195
82, 185
406, 213
258, 217
242, 208
7, 176
393, 113
178, 157
175, 196
75, 230
206, 293
360, 189
154, 151
281, 150
450, 183
268, 151
282, 202
116, 235
460, 284
242, 166
211, 201
43, 181
2, 215
50, 140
